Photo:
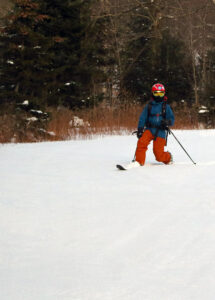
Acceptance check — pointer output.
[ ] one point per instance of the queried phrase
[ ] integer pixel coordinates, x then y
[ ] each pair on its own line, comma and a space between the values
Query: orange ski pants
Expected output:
158, 148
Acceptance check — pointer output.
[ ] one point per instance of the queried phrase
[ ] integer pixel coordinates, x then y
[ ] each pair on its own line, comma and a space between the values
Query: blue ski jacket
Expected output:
155, 117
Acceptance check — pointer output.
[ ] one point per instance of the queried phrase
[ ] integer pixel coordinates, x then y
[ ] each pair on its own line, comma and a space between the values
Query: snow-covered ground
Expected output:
73, 227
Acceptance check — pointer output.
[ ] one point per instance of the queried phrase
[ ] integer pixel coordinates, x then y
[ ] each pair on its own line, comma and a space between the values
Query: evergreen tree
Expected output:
97, 59
174, 70
24, 53
66, 30
153, 58
51, 53
137, 61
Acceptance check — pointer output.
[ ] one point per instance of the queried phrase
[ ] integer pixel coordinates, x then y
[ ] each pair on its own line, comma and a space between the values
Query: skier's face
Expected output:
158, 96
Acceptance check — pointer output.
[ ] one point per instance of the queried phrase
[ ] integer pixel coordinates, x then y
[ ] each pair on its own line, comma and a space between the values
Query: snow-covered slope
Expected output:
73, 227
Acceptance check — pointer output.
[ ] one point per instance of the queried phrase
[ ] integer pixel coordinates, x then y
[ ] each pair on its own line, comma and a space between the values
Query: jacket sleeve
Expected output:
143, 117
170, 115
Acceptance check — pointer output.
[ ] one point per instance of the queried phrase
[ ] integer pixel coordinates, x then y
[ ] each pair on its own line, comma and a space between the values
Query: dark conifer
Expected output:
24, 53
52, 53
156, 57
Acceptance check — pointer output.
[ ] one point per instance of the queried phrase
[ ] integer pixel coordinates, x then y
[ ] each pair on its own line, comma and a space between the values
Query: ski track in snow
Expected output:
73, 227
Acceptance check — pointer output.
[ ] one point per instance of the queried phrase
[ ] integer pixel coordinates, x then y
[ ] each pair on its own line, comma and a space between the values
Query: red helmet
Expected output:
158, 87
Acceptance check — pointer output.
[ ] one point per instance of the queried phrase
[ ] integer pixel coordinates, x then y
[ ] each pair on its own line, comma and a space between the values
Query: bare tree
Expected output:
5, 6
194, 23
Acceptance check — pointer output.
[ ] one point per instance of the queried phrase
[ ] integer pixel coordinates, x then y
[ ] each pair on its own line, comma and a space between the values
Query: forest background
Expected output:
71, 67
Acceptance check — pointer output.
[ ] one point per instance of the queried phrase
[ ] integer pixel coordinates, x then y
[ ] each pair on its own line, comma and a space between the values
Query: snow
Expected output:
74, 227
32, 119
77, 122
203, 111
25, 103
10, 62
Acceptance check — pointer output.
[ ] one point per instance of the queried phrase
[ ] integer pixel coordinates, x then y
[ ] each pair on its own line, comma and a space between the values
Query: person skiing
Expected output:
153, 124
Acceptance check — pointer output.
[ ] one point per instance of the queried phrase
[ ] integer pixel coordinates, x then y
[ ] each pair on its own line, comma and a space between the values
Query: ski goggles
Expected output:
158, 93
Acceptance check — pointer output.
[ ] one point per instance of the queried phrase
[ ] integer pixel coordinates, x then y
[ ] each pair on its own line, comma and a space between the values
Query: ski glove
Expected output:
164, 124
139, 132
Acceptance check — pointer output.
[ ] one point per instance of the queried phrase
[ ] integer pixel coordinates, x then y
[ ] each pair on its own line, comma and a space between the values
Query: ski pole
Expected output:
134, 132
170, 131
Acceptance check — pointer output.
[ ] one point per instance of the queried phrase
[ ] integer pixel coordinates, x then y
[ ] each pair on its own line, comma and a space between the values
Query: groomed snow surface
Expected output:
73, 227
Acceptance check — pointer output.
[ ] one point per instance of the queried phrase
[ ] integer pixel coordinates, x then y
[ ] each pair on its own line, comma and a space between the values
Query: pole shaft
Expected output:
181, 146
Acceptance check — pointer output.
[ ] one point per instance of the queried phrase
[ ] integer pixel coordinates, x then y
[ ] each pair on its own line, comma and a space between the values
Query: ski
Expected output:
121, 168
133, 164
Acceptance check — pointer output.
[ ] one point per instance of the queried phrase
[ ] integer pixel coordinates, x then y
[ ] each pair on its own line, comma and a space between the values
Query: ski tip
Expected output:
119, 167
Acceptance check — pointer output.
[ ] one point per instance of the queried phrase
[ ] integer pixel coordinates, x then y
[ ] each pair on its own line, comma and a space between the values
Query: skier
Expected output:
155, 118
153, 124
